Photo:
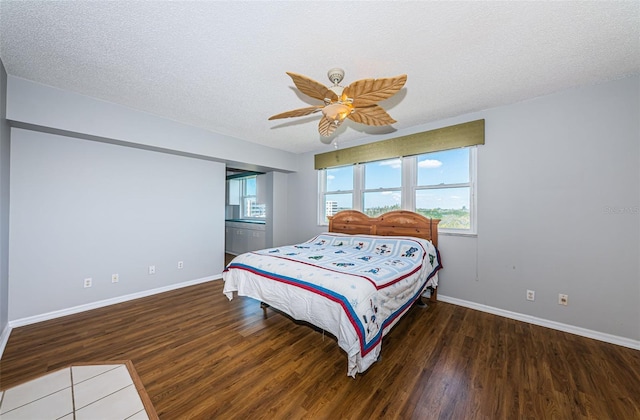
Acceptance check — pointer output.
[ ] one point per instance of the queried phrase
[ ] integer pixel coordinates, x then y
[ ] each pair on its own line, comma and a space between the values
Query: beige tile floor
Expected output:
105, 391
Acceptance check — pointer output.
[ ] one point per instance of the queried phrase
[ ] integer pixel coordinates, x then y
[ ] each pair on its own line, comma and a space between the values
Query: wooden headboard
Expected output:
393, 223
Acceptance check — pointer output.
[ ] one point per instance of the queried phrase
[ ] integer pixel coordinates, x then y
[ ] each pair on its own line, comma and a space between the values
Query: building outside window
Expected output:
331, 208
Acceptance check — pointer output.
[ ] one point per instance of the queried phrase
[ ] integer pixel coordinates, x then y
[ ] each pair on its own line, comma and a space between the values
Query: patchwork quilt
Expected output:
354, 286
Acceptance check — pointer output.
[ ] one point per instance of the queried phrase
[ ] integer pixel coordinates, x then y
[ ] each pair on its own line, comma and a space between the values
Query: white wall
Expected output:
83, 209
558, 199
550, 170
4, 209
37, 105
278, 224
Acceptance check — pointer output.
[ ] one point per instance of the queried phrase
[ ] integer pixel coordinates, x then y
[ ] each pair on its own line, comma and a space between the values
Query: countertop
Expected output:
254, 221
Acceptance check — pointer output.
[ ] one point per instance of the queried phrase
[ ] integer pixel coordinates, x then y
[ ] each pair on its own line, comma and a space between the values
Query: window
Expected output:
443, 188
249, 206
336, 185
439, 185
382, 187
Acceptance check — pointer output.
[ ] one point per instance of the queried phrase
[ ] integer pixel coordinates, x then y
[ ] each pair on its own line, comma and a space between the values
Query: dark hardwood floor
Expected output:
201, 356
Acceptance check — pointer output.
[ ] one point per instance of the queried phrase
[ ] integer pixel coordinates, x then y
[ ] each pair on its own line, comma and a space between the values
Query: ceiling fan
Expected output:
358, 101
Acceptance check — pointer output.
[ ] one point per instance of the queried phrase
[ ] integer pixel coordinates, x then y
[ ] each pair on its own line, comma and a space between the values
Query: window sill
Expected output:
463, 234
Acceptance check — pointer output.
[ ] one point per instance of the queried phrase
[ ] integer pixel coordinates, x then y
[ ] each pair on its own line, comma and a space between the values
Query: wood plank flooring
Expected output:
200, 356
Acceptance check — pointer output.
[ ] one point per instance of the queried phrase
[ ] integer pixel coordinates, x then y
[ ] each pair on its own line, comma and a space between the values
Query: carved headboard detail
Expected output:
393, 223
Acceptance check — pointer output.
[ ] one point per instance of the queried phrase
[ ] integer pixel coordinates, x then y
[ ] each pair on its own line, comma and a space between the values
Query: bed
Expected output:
355, 281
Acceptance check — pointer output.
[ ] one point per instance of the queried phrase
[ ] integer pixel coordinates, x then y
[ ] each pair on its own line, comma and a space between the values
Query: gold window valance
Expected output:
452, 137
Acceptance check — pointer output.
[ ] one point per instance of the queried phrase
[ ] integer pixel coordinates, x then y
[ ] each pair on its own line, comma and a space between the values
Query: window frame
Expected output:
244, 196
407, 189
322, 193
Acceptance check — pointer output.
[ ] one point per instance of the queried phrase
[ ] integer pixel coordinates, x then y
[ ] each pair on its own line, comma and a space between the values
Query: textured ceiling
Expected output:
221, 65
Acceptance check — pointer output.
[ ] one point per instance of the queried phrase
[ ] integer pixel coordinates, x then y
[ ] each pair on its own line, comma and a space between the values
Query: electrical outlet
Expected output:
152, 269
88, 282
531, 295
563, 299
180, 265
115, 278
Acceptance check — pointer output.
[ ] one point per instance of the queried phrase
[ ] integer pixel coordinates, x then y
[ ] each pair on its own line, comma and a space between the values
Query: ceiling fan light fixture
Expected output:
337, 111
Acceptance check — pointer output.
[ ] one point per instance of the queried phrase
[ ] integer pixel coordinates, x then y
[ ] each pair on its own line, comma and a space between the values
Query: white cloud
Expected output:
430, 163
395, 163
394, 194
330, 177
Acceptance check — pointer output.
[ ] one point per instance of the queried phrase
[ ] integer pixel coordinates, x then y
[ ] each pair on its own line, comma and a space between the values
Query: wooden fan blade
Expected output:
326, 127
367, 92
297, 112
371, 115
312, 88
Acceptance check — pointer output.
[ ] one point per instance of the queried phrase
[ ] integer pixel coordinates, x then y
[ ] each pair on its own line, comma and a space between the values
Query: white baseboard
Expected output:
99, 304
4, 338
596, 335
